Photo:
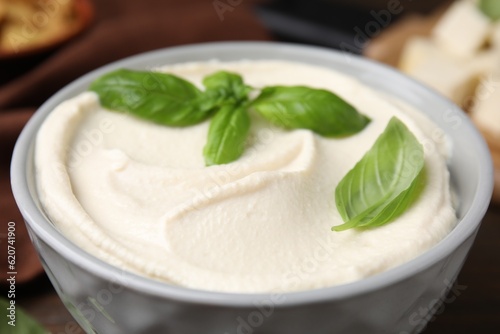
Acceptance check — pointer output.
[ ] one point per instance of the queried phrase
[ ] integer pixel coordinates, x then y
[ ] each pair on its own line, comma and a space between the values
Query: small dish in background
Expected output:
30, 27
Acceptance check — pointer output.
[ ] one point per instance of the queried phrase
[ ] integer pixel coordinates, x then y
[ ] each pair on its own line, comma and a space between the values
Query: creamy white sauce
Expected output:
137, 194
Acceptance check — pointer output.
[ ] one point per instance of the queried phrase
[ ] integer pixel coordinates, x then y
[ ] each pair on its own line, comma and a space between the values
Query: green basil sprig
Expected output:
230, 125
385, 182
319, 110
490, 8
169, 100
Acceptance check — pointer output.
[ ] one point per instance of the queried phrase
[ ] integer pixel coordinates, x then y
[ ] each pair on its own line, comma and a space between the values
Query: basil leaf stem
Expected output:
226, 86
385, 182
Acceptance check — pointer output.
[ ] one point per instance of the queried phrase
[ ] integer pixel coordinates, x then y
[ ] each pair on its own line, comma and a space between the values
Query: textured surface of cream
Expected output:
138, 195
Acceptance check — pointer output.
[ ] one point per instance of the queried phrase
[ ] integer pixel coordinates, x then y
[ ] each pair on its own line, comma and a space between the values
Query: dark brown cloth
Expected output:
120, 28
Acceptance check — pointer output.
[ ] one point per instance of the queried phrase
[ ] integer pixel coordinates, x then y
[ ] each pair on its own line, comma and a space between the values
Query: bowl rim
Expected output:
44, 230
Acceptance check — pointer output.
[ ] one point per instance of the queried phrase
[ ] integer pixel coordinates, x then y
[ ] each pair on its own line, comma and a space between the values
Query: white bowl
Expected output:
105, 299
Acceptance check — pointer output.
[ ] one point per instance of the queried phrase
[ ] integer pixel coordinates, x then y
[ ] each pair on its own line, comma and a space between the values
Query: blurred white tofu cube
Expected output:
462, 30
453, 78
417, 49
485, 62
486, 109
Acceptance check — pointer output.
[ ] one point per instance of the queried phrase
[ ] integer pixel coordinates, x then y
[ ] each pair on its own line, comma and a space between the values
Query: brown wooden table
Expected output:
476, 310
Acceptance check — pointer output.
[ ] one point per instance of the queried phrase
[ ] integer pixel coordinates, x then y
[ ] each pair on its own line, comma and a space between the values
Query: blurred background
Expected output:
45, 44
331, 22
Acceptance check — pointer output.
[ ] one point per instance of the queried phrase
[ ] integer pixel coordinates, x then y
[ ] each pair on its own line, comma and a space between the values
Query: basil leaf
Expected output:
227, 134
385, 182
24, 324
490, 8
158, 97
299, 107
226, 86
